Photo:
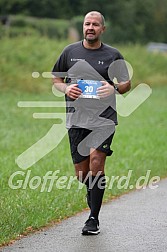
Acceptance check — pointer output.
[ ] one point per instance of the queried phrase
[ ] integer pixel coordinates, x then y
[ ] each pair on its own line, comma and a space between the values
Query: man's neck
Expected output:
94, 45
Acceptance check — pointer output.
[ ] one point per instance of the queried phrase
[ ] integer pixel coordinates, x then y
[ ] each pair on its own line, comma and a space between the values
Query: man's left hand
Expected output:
105, 90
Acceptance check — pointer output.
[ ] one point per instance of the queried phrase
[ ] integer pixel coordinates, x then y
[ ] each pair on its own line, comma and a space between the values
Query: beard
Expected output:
91, 40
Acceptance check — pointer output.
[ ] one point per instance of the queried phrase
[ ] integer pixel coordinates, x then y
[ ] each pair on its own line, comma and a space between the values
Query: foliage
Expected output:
39, 54
30, 25
140, 138
130, 20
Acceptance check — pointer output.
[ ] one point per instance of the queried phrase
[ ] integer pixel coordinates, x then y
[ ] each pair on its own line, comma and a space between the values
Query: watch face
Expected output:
116, 88
89, 88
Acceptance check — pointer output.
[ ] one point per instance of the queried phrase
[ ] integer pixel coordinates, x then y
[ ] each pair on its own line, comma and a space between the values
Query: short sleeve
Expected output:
118, 69
60, 65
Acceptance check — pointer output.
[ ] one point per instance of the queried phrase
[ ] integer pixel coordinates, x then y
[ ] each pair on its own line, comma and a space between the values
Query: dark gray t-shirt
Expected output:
79, 62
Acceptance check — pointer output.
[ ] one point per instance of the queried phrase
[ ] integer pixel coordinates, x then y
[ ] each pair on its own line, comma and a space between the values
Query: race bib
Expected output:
89, 88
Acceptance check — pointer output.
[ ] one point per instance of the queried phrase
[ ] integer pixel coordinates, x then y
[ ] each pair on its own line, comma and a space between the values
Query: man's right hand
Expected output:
73, 91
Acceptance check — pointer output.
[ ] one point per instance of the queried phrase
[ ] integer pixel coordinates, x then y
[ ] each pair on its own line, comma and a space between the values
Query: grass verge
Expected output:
139, 145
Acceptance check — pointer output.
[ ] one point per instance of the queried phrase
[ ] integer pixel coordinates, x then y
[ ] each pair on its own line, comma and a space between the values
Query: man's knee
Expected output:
82, 170
97, 162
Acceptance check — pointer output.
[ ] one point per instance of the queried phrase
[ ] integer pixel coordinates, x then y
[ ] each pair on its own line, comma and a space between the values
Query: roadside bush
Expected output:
22, 25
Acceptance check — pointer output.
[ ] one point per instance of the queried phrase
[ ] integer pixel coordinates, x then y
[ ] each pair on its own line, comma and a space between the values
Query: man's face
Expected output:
92, 28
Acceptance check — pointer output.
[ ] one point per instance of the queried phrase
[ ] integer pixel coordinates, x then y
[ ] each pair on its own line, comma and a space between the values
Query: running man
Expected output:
91, 119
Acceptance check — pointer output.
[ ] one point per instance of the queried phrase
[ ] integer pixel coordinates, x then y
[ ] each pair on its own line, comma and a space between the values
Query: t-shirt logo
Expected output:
100, 62
76, 59
105, 146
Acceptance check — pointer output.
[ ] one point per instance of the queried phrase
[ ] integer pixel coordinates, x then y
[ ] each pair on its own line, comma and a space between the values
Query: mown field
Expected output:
139, 145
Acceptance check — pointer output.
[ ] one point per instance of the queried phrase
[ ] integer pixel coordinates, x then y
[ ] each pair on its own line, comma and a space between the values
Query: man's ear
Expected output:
104, 28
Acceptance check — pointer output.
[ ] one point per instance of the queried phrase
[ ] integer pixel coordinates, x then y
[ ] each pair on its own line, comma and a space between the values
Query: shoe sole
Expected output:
91, 232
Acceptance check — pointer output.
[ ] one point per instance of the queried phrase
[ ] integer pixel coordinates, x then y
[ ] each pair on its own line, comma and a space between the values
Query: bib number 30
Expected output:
89, 89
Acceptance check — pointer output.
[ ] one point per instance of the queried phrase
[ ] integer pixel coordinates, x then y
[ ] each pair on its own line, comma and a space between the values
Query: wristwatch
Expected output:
116, 88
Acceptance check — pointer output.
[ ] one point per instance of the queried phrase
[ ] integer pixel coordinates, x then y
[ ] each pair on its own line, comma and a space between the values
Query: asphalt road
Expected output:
135, 222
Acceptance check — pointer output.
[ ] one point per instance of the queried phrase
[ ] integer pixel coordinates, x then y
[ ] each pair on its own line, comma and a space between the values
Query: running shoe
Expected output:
91, 227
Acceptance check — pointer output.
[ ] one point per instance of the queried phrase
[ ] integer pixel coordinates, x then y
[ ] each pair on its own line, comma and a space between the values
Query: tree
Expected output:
128, 20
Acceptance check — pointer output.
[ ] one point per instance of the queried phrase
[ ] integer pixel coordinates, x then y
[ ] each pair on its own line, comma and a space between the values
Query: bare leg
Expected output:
82, 172
82, 169
97, 162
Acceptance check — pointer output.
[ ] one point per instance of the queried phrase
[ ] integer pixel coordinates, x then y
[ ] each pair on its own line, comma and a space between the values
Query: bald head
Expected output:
96, 14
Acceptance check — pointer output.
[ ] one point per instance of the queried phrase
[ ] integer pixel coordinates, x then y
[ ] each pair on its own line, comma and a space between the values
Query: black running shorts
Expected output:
81, 140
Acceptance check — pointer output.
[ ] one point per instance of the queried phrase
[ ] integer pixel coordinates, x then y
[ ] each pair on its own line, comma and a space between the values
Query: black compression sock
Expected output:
87, 183
96, 194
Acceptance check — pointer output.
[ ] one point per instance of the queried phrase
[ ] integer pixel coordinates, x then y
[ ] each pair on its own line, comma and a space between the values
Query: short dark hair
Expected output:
93, 13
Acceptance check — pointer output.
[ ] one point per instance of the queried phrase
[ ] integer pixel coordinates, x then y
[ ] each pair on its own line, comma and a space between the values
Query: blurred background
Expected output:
33, 33
128, 20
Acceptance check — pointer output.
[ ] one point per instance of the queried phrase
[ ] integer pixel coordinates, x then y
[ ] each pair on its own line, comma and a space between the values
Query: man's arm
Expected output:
123, 87
59, 84
72, 90
106, 89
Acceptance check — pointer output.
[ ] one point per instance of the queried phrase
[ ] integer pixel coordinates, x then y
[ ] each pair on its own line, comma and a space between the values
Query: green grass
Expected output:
39, 54
148, 67
19, 57
139, 144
